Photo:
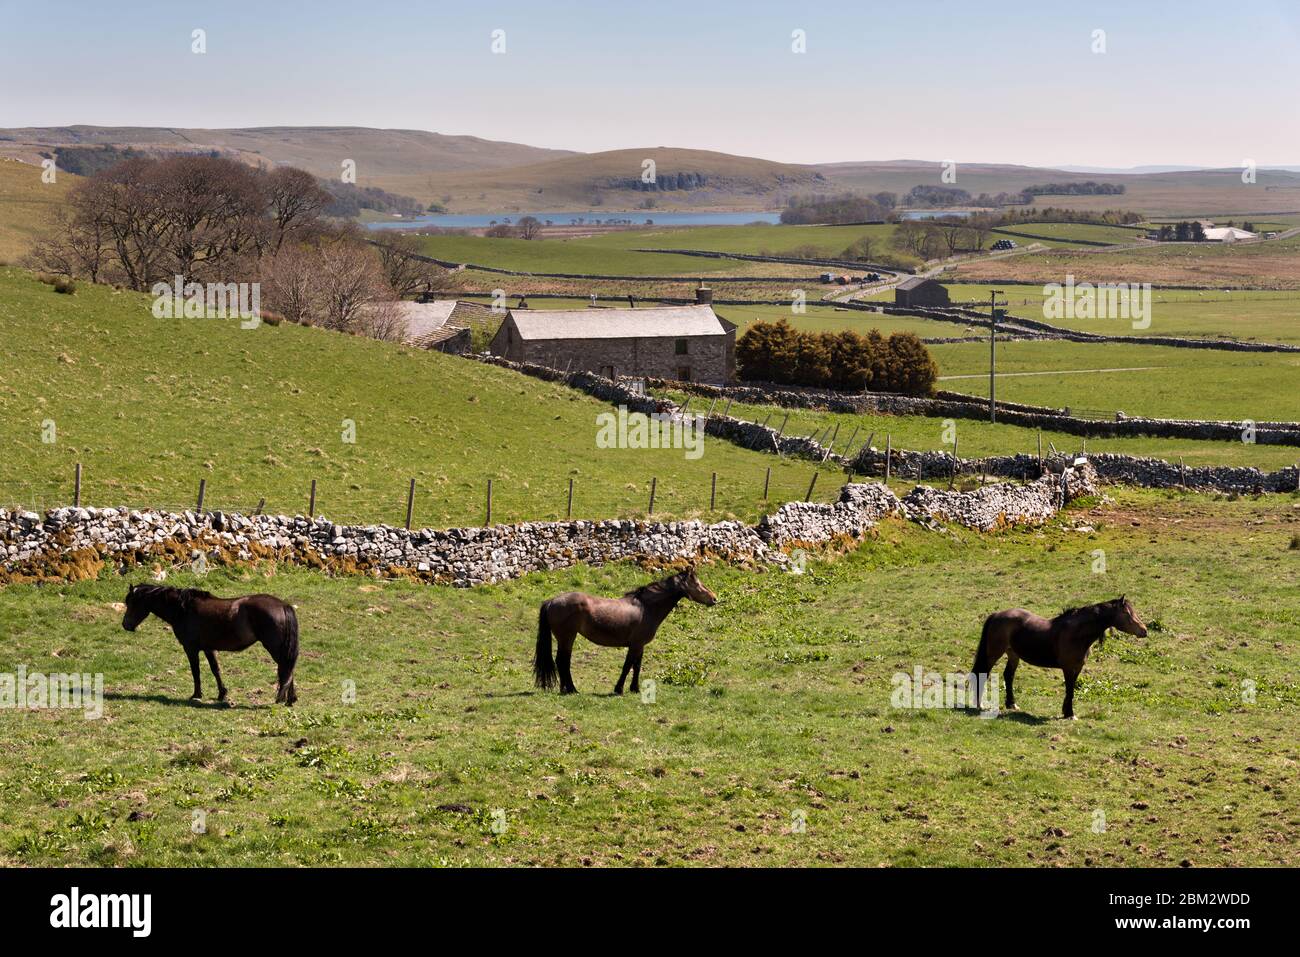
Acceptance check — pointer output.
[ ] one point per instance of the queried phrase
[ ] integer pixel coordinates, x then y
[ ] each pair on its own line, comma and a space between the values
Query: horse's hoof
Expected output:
618, 691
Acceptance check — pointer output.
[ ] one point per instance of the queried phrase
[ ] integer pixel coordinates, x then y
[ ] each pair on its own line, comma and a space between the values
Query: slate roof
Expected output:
641, 323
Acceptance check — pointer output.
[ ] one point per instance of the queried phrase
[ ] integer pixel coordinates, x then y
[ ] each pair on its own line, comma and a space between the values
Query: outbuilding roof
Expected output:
914, 282
641, 323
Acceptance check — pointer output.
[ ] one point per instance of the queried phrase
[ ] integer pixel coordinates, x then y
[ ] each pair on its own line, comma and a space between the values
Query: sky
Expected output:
1187, 82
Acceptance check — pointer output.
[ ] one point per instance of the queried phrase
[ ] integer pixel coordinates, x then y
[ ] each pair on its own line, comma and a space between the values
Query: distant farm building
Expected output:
442, 324
1227, 234
920, 292
690, 343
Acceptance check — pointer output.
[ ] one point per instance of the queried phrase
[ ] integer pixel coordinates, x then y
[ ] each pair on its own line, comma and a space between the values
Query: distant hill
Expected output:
1167, 193
467, 174
684, 179
27, 205
318, 149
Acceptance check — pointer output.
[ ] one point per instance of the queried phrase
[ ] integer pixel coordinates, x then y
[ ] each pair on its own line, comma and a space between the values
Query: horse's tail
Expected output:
287, 659
981, 665
978, 678
544, 672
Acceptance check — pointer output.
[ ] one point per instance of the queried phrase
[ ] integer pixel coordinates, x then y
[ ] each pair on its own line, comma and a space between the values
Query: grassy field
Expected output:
977, 438
1260, 315
1170, 382
1069, 234
1265, 265
150, 407
26, 205
771, 709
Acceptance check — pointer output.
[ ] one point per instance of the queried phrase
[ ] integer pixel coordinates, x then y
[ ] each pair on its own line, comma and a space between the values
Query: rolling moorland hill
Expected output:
468, 174
613, 179
1167, 193
317, 149
27, 205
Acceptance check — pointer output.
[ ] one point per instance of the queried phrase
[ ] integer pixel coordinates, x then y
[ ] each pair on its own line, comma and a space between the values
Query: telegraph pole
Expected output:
993, 353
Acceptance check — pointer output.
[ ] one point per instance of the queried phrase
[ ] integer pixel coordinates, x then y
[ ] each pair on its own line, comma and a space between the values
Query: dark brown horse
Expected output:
203, 622
629, 622
1063, 642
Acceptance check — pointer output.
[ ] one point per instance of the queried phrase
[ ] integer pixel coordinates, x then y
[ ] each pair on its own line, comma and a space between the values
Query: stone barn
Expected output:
690, 343
442, 324
918, 291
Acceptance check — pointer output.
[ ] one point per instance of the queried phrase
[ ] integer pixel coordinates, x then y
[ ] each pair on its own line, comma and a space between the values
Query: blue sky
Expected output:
1001, 80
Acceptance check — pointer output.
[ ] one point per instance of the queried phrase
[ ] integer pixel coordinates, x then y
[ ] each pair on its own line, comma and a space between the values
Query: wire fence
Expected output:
713, 496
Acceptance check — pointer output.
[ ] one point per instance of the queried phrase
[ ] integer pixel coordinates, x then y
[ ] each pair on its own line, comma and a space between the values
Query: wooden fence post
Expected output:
568, 511
1040, 451
311, 502
489, 504
654, 482
952, 475
713, 491
849, 444
203, 487
811, 485
76, 488
767, 480
261, 503
889, 454
410, 503
727, 410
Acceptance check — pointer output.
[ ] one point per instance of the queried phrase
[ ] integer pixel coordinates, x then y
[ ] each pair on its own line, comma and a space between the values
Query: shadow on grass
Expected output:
1020, 717
181, 702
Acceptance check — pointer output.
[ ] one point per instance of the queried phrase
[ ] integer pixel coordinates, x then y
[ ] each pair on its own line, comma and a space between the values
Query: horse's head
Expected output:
136, 608
1125, 618
694, 588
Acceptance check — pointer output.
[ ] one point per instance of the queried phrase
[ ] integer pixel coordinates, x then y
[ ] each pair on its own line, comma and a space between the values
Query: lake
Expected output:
638, 218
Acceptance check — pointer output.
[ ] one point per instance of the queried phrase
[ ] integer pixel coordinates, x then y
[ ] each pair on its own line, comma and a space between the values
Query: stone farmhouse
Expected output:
688, 343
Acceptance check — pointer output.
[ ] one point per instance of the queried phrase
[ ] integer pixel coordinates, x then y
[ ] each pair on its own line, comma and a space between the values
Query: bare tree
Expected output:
407, 269
528, 228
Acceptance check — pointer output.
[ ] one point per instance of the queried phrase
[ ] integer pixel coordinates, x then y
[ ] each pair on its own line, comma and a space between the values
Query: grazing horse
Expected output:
1063, 642
203, 622
629, 622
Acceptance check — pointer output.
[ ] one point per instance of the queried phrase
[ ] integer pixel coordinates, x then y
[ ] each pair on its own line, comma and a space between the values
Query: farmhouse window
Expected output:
683, 347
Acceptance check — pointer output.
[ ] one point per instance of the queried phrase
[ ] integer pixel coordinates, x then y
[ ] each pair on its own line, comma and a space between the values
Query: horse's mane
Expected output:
184, 597
653, 588
1084, 611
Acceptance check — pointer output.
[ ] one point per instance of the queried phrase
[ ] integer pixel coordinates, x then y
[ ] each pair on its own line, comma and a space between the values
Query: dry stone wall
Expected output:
72, 543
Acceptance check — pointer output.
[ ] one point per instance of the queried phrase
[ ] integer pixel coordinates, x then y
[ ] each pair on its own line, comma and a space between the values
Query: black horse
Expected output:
203, 622
1061, 642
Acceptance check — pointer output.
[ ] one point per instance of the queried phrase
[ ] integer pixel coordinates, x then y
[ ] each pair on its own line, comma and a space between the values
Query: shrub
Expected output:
65, 286
845, 361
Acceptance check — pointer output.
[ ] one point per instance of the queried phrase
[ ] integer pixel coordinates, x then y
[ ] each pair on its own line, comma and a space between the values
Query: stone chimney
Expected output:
703, 295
